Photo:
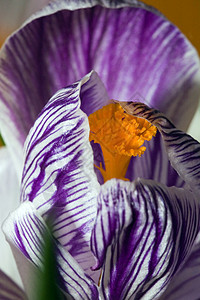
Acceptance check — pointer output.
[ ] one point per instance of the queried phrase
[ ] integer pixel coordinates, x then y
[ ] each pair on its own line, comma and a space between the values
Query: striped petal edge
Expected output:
183, 151
154, 165
58, 174
25, 229
142, 235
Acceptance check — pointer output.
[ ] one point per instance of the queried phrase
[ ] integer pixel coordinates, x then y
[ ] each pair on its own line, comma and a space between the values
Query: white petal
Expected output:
9, 200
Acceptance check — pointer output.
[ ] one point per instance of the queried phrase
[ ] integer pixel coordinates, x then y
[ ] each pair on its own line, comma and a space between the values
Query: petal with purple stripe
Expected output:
135, 50
25, 229
142, 235
186, 284
154, 164
9, 289
183, 151
58, 174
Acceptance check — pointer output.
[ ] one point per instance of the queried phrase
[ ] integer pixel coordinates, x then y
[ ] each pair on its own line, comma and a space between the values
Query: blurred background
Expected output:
14, 12
186, 16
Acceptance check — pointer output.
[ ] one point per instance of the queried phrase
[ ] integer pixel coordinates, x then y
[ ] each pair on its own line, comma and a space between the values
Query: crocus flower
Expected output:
117, 239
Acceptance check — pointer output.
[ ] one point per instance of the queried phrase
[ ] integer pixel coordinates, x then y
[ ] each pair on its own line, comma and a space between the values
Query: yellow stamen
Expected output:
100, 276
120, 136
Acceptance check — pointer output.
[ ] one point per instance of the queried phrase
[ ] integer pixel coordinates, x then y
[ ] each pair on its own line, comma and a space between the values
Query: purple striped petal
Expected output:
183, 151
58, 174
154, 164
143, 233
137, 53
9, 290
24, 229
186, 284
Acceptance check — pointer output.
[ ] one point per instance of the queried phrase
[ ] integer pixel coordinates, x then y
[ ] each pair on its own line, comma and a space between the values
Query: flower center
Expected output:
120, 136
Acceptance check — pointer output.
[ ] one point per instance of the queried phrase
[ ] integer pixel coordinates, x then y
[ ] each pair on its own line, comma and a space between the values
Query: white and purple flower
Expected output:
135, 239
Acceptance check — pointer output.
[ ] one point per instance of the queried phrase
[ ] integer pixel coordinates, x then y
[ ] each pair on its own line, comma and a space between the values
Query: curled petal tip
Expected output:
98, 264
96, 267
